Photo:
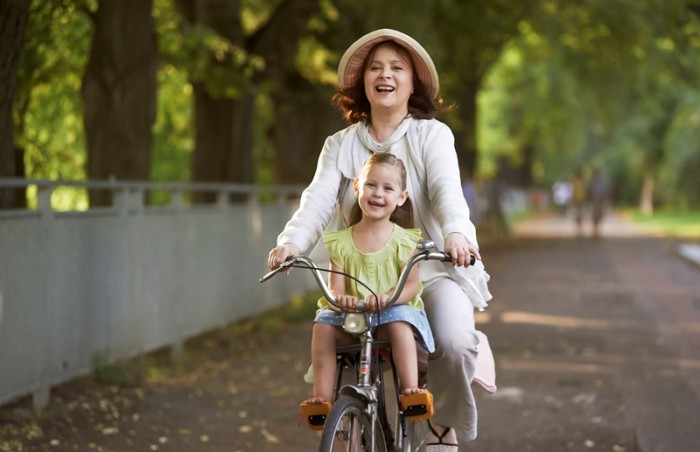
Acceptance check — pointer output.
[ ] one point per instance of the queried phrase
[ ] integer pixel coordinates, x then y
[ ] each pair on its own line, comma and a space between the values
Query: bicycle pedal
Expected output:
417, 407
315, 414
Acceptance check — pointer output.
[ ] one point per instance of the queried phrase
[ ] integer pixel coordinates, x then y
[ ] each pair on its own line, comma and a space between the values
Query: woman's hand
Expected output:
279, 254
456, 244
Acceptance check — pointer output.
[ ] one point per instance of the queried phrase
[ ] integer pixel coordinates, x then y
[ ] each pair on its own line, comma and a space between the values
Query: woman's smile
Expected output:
388, 79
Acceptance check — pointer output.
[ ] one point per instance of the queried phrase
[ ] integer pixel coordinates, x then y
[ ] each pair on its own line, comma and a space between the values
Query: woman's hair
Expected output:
402, 215
354, 103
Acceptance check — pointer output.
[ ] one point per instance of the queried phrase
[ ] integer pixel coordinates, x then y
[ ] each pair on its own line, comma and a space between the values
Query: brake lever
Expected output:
291, 260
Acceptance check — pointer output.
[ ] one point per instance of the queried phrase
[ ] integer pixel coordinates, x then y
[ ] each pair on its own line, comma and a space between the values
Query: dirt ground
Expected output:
595, 340
227, 394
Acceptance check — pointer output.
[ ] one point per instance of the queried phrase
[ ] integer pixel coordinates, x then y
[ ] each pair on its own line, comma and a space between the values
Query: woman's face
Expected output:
388, 80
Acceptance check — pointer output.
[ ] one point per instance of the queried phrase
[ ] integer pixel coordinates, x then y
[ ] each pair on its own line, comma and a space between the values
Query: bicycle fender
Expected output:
362, 394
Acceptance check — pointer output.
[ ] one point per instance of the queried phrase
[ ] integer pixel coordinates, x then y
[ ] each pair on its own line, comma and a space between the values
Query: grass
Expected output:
683, 225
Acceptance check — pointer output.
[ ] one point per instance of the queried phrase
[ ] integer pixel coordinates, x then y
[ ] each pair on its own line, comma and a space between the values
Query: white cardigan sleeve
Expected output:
318, 201
444, 182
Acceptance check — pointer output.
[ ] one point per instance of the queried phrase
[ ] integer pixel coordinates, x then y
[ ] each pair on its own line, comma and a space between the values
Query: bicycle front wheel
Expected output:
349, 428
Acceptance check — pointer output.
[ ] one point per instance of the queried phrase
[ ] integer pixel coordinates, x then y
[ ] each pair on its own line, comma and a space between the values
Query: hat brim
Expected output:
351, 64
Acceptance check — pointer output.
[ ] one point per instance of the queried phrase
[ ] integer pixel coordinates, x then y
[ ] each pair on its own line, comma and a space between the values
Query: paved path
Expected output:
596, 342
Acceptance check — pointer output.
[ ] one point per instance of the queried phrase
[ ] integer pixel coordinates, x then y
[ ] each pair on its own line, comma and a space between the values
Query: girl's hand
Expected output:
347, 302
279, 254
456, 244
376, 303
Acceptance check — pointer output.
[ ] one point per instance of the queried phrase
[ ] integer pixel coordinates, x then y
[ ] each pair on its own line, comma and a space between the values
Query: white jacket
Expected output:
434, 186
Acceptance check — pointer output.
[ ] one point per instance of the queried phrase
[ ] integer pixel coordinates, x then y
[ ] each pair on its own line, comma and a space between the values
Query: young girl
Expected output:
373, 249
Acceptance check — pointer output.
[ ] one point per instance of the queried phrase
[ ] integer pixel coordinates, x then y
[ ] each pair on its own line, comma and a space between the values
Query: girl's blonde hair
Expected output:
402, 215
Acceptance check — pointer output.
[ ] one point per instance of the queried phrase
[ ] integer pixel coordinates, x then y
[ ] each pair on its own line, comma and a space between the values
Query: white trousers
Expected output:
451, 368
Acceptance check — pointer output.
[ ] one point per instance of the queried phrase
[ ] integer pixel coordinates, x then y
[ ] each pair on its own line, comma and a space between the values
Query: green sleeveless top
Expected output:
380, 269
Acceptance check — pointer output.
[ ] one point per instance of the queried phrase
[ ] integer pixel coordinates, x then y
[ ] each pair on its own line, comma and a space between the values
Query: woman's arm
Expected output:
446, 197
444, 183
318, 200
315, 208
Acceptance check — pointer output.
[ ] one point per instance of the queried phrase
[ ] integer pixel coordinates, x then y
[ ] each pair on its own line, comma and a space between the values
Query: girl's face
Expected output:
388, 79
379, 191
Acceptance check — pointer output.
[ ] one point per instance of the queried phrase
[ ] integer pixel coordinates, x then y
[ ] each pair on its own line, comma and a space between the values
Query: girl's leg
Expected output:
403, 350
323, 359
452, 365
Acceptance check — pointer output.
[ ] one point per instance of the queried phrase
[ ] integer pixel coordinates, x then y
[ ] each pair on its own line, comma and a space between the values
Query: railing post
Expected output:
222, 199
120, 197
42, 394
177, 346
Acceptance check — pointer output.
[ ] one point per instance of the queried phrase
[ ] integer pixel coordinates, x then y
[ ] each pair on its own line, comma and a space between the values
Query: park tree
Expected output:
590, 83
472, 36
227, 83
13, 20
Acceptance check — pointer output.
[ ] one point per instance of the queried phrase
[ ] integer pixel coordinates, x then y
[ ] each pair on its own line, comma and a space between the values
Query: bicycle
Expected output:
359, 420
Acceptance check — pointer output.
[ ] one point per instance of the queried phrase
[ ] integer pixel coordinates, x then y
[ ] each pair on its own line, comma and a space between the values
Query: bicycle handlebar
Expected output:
426, 252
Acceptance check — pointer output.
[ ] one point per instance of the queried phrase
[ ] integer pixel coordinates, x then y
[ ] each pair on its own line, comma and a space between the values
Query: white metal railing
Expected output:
114, 282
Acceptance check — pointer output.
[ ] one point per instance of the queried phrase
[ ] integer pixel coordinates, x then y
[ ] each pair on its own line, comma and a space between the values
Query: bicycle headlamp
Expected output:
355, 322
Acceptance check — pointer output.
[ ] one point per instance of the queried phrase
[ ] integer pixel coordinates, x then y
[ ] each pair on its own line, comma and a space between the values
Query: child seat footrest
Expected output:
418, 406
315, 414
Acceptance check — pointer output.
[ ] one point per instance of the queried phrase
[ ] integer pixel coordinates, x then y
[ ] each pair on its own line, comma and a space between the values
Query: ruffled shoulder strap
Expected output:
407, 241
337, 244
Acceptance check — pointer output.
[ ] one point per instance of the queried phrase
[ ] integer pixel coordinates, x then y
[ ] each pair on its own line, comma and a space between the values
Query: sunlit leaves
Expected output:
254, 13
316, 62
679, 175
48, 111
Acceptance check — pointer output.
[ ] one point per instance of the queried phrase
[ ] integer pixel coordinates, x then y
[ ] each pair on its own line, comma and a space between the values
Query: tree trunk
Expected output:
119, 93
223, 140
223, 150
13, 21
301, 112
301, 124
465, 141
646, 199
224, 137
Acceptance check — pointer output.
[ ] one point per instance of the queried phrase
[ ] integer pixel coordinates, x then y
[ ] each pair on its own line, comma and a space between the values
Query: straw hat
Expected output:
351, 63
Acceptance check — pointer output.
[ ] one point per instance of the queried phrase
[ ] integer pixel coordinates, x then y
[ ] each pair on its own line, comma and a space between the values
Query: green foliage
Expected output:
48, 111
173, 138
671, 223
316, 63
679, 174
48, 116
591, 82
528, 99
611, 82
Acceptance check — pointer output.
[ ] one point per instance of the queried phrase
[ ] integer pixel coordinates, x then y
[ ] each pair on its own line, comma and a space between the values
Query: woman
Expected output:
387, 90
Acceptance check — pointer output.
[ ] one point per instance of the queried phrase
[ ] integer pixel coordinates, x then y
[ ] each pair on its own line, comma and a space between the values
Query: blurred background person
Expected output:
561, 196
597, 197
